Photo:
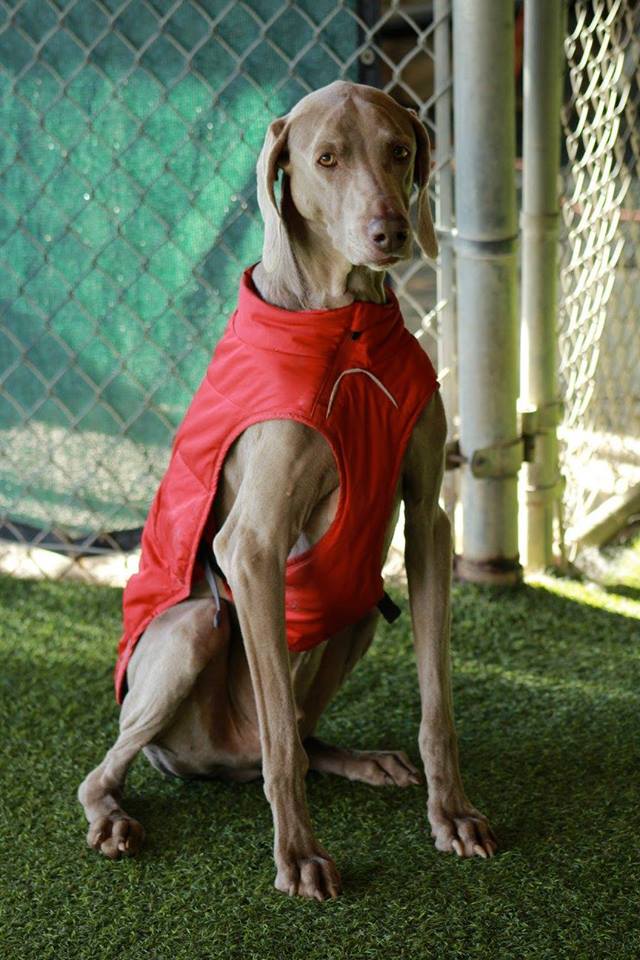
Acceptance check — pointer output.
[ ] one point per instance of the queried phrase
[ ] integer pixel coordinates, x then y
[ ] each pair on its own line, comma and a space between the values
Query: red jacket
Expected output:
357, 376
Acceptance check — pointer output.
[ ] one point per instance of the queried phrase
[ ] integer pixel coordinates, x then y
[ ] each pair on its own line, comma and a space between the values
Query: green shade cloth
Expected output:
127, 214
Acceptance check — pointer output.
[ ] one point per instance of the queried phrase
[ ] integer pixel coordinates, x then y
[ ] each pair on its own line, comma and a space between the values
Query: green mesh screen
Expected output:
130, 133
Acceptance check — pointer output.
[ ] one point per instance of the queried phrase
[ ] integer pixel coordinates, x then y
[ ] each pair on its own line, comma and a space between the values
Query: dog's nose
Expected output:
388, 233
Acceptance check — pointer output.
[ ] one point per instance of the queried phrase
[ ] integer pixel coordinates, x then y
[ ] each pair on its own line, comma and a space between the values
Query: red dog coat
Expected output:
357, 376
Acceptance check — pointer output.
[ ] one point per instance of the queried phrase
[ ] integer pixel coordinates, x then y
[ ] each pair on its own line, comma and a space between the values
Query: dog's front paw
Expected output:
460, 828
313, 875
116, 836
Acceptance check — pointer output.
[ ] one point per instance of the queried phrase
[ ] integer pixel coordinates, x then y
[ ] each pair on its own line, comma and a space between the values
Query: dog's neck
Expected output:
325, 279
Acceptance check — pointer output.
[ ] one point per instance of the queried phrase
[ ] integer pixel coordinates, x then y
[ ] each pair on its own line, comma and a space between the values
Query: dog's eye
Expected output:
327, 160
400, 152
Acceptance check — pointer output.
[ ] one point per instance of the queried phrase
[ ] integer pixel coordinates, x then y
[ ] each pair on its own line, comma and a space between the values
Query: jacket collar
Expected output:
308, 332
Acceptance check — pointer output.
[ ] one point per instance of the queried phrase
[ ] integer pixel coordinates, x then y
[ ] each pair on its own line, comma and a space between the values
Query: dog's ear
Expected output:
422, 164
277, 255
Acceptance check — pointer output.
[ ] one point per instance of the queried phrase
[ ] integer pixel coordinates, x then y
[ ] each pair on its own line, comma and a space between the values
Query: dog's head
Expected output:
350, 155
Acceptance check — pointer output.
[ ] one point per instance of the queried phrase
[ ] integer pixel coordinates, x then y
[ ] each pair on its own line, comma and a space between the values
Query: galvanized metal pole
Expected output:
543, 71
447, 334
484, 125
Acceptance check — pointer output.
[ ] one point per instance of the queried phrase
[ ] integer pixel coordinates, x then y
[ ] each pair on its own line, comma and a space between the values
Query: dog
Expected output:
222, 661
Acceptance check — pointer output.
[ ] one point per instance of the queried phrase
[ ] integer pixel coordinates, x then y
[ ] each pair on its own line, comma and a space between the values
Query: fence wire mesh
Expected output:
127, 214
128, 211
600, 289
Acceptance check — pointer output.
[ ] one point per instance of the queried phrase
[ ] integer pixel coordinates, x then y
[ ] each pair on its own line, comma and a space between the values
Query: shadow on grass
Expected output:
623, 590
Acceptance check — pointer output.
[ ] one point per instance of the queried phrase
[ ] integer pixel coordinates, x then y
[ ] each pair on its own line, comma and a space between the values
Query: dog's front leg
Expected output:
456, 825
252, 548
256, 576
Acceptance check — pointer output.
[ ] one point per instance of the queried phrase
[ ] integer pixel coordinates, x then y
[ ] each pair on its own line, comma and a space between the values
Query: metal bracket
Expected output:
544, 417
535, 421
497, 461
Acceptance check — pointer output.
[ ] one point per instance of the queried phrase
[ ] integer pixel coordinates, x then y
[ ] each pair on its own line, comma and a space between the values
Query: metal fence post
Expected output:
484, 125
447, 347
543, 70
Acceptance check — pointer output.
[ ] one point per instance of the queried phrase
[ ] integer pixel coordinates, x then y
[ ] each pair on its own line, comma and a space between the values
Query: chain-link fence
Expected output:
600, 288
127, 214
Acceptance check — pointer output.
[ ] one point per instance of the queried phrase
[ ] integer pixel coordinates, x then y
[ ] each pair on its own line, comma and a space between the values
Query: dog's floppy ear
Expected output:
277, 255
426, 231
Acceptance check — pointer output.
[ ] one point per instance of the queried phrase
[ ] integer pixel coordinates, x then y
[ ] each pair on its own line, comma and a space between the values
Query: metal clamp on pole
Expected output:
498, 461
538, 421
546, 416
485, 249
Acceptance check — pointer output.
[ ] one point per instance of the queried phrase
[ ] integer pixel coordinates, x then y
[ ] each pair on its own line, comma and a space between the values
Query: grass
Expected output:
546, 692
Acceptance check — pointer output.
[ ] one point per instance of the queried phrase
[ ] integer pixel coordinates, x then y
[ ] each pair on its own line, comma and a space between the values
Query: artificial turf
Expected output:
547, 694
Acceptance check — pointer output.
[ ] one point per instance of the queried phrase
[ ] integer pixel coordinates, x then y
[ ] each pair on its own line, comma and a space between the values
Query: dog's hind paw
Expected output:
377, 767
116, 836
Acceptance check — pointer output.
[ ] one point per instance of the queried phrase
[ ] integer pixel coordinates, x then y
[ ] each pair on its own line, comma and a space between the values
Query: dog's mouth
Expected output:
384, 259
381, 260
381, 263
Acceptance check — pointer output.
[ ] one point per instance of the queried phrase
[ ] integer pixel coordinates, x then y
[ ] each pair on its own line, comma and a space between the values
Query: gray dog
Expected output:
216, 687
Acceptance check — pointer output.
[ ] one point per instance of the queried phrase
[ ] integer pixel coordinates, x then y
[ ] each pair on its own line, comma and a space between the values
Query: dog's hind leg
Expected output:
164, 667
380, 768
376, 767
